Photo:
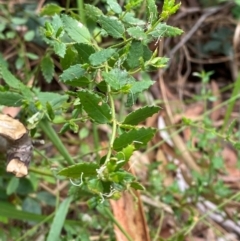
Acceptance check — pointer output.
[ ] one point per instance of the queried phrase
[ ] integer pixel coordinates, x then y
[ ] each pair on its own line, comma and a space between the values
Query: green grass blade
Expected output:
58, 220
236, 91
52, 135
9, 211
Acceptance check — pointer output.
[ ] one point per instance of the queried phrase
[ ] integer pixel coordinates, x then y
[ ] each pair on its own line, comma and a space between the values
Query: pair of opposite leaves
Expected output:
15, 142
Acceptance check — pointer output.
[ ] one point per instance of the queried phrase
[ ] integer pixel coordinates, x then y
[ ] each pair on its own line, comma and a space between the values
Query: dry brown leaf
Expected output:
129, 213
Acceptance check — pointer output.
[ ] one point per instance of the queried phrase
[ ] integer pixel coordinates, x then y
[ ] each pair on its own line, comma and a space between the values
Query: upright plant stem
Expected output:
52, 135
80, 4
235, 92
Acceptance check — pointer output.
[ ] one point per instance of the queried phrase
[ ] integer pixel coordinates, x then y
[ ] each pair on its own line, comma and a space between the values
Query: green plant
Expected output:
205, 186
97, 78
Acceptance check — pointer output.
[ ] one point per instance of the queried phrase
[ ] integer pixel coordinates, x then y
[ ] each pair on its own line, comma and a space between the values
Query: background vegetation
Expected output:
85, 93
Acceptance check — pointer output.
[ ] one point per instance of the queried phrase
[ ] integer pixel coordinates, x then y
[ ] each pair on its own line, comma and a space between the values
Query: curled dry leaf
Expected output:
15, 142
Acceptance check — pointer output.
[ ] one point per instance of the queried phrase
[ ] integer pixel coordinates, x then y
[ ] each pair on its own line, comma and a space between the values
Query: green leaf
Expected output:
140, 115
19, 21
20, 62
132, 4
131, 99
46, 198
157, 62
134, 55
29, 35
137, 52
64, 128
115, 7
10, 34
32, 56
138, 138
164, 30
137, 186
50, 111
84, 52
117, 78
58, 221
169, 8
95, 186
101, 56
10, 79
3, 62
80, 82
70, 58
152, 11
237, 145
112, 26
48, 30
56, 100
51, 9
11, 99
217, 162
95, 106
56, 25
12, 185
137, 33
112, 78
92, 12
140, 86
136, 88
120, 176
75, 171
31, 205
47, 68
124, 155
59, 32
76, 30
73, 74
129, 18
13, 82
59, 48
